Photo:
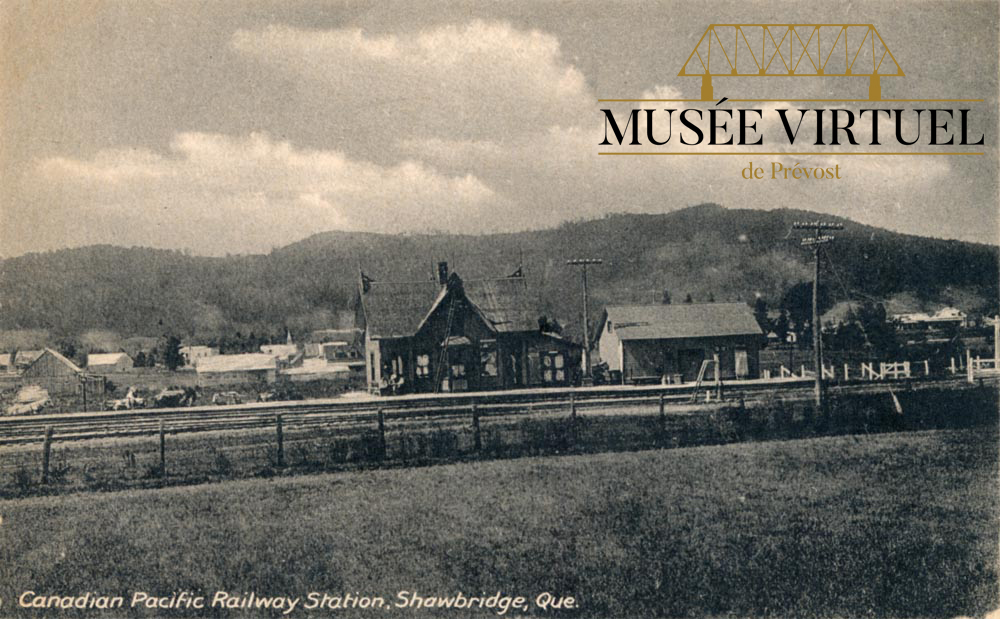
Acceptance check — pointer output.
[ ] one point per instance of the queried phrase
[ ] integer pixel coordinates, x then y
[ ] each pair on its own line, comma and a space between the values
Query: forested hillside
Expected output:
706, 251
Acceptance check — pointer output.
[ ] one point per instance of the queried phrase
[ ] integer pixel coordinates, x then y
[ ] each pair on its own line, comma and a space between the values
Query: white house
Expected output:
109, 362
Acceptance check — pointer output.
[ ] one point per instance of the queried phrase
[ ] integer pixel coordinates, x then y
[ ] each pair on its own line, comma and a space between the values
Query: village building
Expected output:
285, 352
669, 343
103, 363
944, 318
334, 344
454, 335
24, 358
59, 376
249, 368
336, 351
192, 354
320, 369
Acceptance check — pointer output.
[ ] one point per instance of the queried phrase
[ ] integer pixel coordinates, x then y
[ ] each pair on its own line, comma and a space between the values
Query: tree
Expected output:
760, 313
781, 325
665, 299
140, 360
688, 298
172, 357
798, 301
880, 332
711, 298
866, 329
67, 347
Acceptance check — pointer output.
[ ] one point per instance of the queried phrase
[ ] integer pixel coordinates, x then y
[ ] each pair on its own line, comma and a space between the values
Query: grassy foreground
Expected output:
891, 525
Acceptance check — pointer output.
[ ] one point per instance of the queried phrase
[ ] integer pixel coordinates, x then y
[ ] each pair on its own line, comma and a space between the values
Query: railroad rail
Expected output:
320, 413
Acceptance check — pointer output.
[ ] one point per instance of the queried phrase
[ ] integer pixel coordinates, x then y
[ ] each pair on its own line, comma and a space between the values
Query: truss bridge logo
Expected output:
792, 50
837, 116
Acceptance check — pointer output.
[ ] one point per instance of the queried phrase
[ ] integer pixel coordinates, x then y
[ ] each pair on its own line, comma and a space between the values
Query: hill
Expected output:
707, 251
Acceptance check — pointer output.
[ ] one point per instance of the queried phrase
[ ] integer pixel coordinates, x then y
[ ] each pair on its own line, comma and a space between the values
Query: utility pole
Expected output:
583, 262
815, 242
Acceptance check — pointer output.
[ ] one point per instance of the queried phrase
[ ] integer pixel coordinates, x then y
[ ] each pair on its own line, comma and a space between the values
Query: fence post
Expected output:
718, 377
846, 373
476, 436
46, 451
952, 368
927, 367
279, 427
663, 414
572, 405
381, 435
968, 366
163, 452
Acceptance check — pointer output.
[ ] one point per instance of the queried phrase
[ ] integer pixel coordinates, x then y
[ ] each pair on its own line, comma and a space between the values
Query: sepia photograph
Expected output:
480, 308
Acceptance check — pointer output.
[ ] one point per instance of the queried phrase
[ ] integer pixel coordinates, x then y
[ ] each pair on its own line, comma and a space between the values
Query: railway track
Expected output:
316, 413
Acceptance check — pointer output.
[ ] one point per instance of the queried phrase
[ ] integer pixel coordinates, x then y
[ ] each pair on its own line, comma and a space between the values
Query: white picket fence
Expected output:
893, 370
973, 367
981, 368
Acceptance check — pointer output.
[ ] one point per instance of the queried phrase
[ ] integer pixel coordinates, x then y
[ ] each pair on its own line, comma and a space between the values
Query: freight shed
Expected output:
670, 342
455, 335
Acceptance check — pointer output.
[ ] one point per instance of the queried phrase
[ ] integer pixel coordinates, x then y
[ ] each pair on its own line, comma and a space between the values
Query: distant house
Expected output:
653, 342
250, 368
285, 352
60, 376
334, 344
337, 351
455, 335
109, 362
946, 317
6, 362
192, 354
319, 369
24, 358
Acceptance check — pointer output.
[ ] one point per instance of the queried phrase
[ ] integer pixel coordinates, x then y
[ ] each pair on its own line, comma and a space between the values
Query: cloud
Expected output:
109, 166
471, 127
559, 174
472, 81
259, 191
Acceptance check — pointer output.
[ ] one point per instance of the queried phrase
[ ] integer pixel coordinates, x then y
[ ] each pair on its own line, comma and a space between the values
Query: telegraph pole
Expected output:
815, 242
583, 262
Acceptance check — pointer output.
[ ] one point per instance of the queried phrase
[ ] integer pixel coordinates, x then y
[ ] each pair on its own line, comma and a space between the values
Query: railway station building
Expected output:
669, 343
449, 335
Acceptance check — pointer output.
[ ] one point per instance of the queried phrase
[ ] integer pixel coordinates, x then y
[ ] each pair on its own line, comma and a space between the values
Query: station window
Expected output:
423, 368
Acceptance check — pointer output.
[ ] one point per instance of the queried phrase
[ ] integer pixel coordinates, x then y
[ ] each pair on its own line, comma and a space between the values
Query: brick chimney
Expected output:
442, 273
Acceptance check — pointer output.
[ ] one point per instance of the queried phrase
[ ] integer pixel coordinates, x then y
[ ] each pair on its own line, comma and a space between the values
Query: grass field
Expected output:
889, 525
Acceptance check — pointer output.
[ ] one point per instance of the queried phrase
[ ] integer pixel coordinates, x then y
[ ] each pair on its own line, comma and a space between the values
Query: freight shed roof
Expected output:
397, 309
687, 320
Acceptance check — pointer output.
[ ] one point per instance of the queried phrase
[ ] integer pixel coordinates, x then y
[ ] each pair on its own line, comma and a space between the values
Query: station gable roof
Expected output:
687, 320
397, 309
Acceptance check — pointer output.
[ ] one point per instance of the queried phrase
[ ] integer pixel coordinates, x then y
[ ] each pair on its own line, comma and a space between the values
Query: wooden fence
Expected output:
283, 443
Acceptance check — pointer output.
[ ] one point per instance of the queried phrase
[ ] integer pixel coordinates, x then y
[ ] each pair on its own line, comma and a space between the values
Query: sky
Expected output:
236, 127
